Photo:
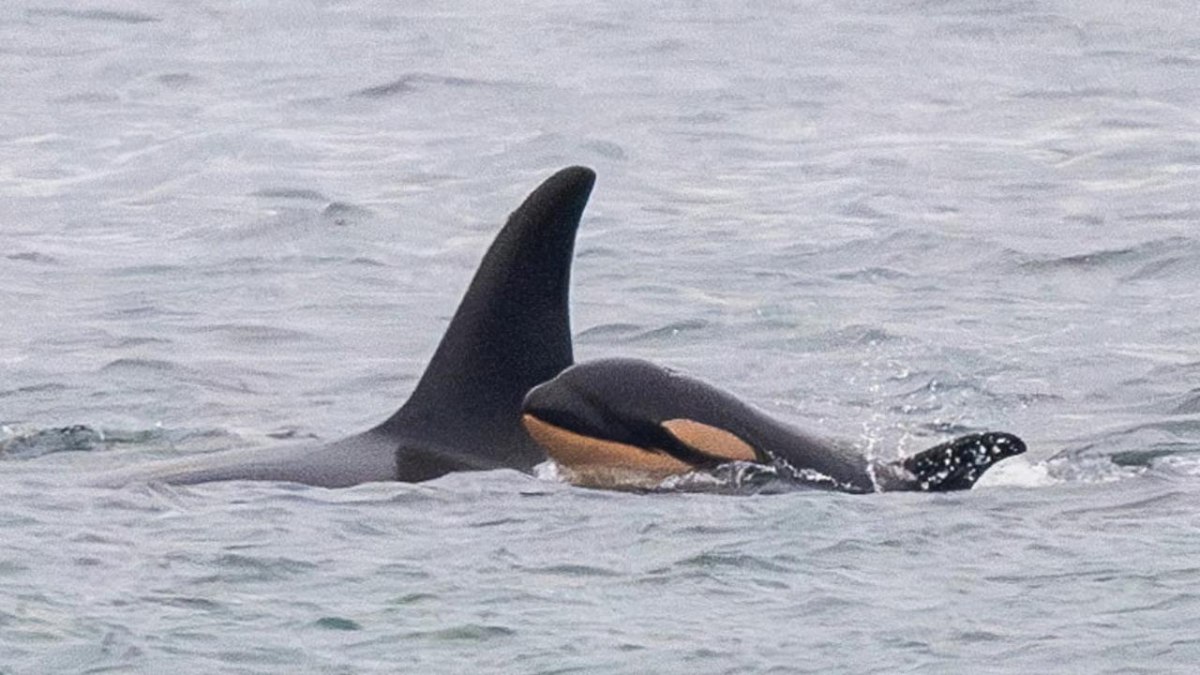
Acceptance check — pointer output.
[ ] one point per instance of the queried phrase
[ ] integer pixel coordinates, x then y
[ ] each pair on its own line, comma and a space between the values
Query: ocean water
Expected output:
244, 224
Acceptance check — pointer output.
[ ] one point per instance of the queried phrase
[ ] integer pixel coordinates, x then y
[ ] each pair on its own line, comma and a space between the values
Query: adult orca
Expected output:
510, 333
626, 423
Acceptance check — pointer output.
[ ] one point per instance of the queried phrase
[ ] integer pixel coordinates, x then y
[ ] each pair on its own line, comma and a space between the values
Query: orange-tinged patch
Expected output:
713, 441
600, 463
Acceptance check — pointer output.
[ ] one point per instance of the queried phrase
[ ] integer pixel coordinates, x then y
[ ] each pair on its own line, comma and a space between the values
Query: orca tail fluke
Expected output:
957, 464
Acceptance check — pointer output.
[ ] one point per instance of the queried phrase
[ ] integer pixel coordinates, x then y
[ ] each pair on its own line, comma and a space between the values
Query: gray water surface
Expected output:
245, 224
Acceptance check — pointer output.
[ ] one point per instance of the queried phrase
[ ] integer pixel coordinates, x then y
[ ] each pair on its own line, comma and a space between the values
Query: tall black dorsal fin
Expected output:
512, 329
510, 333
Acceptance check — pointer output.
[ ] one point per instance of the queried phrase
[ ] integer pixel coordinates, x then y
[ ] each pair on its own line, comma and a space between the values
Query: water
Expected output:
244, 225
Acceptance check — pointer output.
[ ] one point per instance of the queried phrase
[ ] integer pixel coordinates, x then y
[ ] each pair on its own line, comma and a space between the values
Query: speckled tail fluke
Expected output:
957, 464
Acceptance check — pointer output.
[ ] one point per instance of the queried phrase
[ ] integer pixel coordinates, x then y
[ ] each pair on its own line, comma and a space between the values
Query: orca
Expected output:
511, 332
630, 424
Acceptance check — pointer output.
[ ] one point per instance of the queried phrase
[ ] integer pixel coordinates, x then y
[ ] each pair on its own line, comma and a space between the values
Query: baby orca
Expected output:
626, 423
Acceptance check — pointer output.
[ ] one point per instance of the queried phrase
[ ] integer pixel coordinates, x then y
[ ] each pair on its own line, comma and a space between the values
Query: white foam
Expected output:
549, 470
1018, 472
1184, 465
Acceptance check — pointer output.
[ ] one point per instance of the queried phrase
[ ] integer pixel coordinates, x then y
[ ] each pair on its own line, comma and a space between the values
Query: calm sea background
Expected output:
243, 224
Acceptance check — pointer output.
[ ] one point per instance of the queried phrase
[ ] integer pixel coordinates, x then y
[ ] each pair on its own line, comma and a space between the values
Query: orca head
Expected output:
610, 399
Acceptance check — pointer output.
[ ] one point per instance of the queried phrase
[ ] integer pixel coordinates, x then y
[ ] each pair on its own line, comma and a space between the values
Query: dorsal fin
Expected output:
511, 331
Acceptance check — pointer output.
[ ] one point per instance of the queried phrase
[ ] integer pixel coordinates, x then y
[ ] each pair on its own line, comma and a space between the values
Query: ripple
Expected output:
412, 82
343, 214
1188, 215
177, 80
606, 149
469, 632
108, 16
737, 561
414, 598
670, 331
1150, 253
1190, 405
873, 275
78, 438
1148, 456
49, 387
140, 365
239, 568
256, 334
608, 330
87, 98
337, 623
584, 571
1075, 94
10, 568
290, 193
33, 257
190, 603
637, 333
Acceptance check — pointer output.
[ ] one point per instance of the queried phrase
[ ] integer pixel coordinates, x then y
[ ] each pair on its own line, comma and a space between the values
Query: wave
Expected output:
18, 443
1151, 259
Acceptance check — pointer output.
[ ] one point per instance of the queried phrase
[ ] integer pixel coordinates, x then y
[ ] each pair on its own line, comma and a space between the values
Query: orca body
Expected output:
626, 423
510, 333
